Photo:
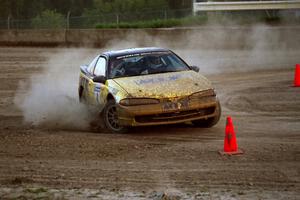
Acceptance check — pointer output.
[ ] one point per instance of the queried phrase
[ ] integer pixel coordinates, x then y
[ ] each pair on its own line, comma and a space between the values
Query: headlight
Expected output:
205, 93
138, 101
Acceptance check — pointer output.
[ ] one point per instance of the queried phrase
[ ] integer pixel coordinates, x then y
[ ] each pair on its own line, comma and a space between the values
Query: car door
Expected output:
85, 81
99, 91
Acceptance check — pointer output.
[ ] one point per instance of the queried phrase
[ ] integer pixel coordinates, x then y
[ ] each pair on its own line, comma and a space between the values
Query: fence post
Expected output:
117, 19
68, 19
8, 22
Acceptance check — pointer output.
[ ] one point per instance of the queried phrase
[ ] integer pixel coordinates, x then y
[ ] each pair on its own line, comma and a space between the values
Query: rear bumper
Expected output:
146, 115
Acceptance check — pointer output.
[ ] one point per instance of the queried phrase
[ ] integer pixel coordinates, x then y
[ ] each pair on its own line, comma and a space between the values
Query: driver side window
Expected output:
92, 65
100, 67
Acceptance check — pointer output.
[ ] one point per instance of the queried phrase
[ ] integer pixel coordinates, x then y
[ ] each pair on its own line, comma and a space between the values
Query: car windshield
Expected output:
145, 63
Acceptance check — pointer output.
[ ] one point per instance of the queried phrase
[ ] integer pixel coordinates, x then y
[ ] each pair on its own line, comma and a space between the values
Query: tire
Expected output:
110, 118
80, 95
210, 122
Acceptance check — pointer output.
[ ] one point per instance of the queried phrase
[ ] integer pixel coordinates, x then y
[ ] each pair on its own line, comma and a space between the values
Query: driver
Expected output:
154, 63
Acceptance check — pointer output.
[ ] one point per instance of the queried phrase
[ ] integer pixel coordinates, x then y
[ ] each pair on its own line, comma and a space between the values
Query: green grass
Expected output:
192, 21
158, 23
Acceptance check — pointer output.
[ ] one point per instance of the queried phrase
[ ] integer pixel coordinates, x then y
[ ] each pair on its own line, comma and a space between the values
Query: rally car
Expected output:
147, 86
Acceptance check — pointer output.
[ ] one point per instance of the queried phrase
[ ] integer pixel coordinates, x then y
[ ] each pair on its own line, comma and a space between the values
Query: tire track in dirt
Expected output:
266, 116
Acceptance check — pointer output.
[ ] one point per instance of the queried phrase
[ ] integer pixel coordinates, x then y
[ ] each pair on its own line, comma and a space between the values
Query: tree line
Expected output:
27, 9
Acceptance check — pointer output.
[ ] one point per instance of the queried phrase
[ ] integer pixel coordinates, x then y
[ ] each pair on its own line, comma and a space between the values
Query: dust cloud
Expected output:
217, 48
52, 96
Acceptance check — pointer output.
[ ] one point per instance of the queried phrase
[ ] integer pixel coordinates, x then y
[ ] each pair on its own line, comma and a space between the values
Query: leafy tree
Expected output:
127, 10
64, 6
121, 6
20, 9
26, 9
49, 19
180, 4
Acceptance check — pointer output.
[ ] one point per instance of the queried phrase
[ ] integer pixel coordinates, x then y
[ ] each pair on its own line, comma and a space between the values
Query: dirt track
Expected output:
180, 160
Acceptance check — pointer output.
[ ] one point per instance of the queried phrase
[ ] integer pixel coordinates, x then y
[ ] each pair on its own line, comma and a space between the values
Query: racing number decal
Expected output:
84, 82
97, 93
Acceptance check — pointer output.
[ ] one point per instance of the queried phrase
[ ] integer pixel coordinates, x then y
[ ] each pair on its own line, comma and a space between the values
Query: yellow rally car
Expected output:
147, 86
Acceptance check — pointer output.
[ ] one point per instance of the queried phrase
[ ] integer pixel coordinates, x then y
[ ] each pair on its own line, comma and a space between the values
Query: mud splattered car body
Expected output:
147, 86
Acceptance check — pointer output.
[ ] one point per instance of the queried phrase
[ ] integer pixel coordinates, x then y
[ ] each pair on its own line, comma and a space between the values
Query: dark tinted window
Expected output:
145, 63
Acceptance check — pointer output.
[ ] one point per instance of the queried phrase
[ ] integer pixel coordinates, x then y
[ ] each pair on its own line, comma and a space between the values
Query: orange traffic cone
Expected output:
230, 143
297, 76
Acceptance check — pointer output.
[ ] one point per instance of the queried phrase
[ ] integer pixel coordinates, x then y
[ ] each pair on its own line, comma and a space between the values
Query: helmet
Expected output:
155, 61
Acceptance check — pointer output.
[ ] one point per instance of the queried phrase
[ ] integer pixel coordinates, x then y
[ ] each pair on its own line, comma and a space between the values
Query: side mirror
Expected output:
99, 79
195, 68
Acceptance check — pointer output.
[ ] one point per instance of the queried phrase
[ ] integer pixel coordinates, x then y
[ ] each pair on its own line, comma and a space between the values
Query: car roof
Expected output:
124, 52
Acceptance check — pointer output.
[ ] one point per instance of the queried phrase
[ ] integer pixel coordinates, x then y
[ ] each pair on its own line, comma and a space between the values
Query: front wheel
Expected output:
210, 122
110, 118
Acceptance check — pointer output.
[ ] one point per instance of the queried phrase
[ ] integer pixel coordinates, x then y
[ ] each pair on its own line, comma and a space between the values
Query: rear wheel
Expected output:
210, 122
110, 118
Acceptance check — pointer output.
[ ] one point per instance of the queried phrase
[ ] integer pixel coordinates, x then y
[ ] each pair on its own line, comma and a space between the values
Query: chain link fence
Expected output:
90, 21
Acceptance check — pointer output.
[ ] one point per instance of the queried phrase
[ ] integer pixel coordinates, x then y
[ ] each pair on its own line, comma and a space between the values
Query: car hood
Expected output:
164, 85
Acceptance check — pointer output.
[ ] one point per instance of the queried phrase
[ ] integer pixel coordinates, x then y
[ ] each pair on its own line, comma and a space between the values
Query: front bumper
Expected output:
157, 114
